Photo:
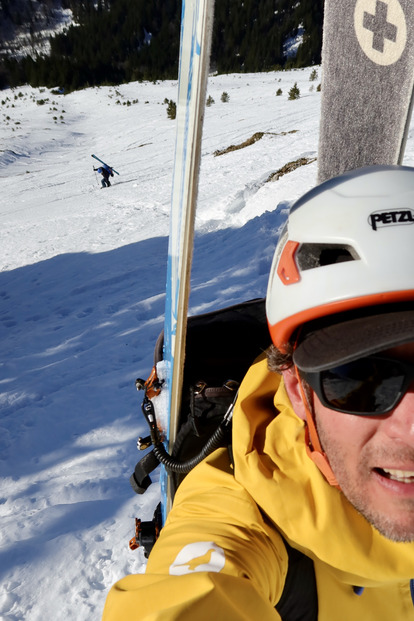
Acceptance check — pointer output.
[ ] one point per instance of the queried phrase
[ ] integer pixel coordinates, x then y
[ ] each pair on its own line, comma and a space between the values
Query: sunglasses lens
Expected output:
368, 385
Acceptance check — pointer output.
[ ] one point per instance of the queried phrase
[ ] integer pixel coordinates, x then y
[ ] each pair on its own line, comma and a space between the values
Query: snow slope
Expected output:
82, 298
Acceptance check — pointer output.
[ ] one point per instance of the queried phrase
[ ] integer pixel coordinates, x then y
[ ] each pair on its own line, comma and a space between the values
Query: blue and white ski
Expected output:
367, 83
107, 165
195, 43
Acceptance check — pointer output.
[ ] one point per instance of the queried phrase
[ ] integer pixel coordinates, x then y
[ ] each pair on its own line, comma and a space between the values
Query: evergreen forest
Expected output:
116, 41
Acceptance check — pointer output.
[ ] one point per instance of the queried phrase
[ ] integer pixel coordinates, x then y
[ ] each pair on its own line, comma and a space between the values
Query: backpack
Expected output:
220, 347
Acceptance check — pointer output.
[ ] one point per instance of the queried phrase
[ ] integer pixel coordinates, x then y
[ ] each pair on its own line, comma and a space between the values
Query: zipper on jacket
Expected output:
358, 590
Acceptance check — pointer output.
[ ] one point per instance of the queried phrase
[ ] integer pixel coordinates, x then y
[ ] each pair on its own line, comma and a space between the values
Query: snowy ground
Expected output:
82, 298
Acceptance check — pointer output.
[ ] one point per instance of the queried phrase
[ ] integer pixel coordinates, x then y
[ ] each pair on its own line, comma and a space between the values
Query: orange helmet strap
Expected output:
313, 445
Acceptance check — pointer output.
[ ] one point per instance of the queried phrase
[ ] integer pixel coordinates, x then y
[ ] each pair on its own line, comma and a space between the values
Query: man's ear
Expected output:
294, 392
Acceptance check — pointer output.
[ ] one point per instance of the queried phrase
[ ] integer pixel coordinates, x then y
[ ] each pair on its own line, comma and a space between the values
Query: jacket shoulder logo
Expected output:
199, 556
378, 219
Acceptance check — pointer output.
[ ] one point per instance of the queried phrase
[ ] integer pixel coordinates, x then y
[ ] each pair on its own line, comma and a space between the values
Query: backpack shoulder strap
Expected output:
299, 601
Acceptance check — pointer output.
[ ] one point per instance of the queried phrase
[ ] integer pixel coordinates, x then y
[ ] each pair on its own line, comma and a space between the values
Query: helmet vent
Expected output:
310, 256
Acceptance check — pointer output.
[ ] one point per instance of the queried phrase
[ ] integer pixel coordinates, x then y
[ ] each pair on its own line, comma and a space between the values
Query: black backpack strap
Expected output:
139, 479
299, 601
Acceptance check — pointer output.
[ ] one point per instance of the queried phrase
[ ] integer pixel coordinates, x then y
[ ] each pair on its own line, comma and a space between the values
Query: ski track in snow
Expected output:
82, 300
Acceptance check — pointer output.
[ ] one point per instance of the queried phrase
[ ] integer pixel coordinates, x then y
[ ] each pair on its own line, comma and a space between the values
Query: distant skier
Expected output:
106, 172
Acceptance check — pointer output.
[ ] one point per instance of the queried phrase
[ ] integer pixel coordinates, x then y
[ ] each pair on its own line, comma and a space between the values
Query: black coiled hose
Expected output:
170, 463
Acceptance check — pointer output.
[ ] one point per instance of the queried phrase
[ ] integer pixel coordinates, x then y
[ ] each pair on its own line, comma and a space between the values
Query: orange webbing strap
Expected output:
313, 445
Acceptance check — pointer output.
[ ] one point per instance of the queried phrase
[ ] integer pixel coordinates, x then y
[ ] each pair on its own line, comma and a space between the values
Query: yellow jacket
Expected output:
220, 555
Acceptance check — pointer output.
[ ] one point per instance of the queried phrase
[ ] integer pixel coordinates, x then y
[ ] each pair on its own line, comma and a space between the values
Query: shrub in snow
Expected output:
171, 109
294, 92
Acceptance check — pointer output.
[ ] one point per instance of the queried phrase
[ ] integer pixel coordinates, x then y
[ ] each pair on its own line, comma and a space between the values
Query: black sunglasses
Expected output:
369, 386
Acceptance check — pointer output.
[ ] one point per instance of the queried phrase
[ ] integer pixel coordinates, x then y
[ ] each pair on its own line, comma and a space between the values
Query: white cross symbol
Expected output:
381, 30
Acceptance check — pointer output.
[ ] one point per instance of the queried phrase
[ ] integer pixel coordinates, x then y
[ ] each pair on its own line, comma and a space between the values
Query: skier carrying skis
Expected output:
313, 516
106, 172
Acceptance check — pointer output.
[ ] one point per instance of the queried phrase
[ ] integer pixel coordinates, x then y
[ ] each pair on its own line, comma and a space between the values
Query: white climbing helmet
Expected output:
348, 244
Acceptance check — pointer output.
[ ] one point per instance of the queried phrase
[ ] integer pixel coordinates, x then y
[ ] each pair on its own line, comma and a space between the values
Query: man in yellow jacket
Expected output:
323, 435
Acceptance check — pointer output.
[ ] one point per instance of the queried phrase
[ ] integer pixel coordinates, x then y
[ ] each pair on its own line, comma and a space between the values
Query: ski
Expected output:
195, 42
163, 388
102, 162
367, 84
